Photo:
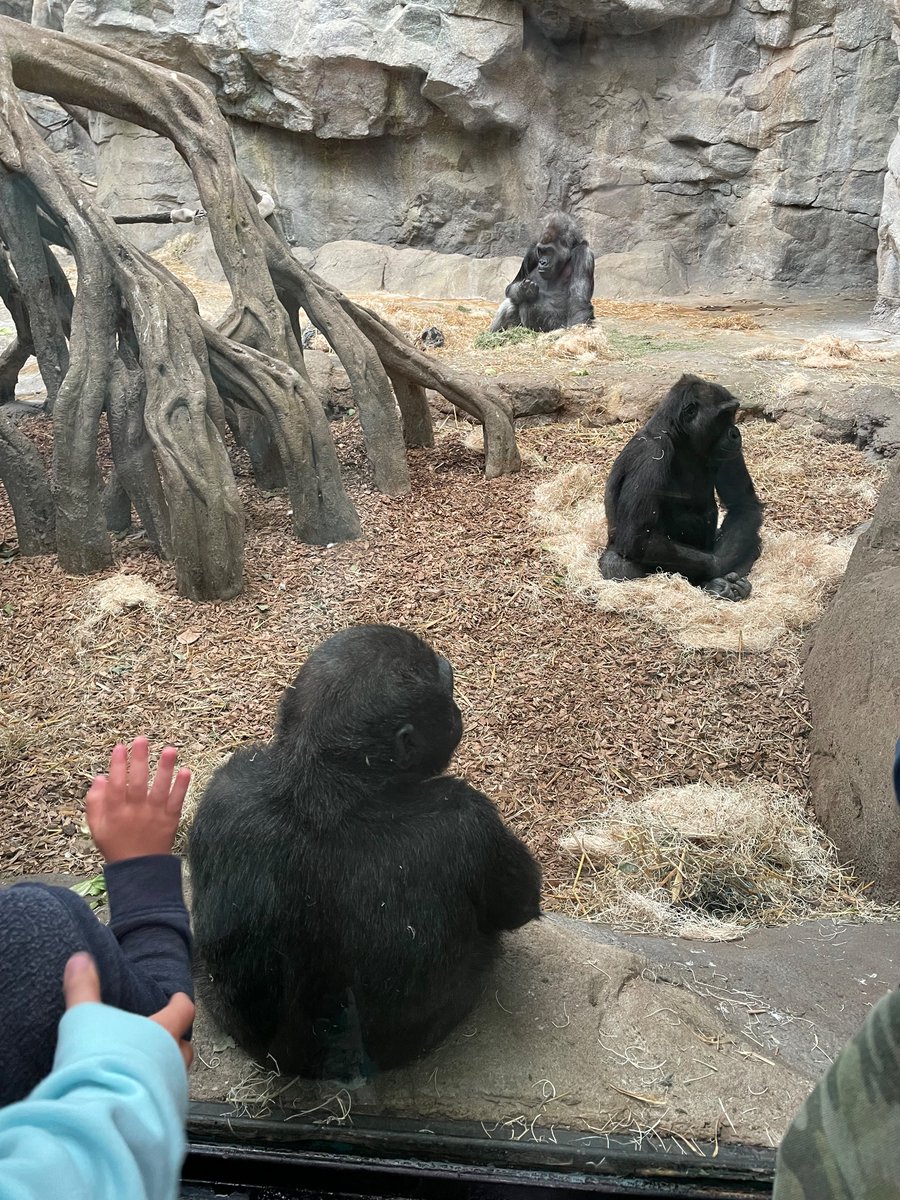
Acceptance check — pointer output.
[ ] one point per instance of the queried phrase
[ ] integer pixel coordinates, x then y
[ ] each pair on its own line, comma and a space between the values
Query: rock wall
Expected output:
887, 308
852, 677
711, 145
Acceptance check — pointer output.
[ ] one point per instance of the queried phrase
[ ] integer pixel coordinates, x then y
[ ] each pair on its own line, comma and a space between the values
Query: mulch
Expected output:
564, 709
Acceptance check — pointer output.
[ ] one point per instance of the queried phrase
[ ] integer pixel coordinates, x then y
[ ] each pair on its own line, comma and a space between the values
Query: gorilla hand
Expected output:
730, 587
524, 292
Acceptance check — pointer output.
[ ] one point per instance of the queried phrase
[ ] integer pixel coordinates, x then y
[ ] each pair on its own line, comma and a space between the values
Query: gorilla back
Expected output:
348, 897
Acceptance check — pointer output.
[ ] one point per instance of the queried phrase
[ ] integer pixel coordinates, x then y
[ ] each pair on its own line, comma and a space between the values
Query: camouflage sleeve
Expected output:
844, 1144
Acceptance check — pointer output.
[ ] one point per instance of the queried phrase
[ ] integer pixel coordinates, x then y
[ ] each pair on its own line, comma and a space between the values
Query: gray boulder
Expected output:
852, 675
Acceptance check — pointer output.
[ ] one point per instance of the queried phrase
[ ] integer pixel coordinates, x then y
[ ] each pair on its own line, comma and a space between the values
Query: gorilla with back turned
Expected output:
660, 498
555, 283
348, 898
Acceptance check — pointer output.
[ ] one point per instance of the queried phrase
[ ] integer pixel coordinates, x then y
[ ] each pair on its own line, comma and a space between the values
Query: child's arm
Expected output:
133, 826
108, 1122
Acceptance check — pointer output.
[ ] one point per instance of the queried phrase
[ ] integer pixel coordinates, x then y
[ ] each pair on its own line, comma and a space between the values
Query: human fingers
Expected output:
93, 801
138, 770
177, 1016
162, 780
81, 983
118, 770
175, 801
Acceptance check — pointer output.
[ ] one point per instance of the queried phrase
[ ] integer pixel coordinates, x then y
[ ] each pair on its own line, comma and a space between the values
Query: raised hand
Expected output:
128, 819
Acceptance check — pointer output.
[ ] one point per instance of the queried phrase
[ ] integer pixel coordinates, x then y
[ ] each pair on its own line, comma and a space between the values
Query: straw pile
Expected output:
707, 861
826, 352
789, 580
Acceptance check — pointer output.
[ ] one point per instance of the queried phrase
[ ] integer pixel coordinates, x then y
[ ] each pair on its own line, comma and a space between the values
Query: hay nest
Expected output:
825, 352
708, 862
111, 598
789, 580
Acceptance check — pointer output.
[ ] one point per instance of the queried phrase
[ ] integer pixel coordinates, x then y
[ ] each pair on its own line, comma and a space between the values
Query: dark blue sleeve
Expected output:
148, 917
143, 957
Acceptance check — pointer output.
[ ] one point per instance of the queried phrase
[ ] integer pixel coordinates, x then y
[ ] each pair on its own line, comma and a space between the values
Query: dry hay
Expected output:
110, 598
732, 321
826, 352
789, 579
795, 384
203, 767
707, 862
584, 343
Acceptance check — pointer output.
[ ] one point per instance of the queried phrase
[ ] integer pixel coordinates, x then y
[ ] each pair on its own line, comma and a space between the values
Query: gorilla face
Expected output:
729, 445
552, 255
707, 418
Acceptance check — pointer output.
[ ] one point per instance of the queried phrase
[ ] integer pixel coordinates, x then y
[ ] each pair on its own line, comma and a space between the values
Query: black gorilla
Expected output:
555, 283
661, 496
348, 898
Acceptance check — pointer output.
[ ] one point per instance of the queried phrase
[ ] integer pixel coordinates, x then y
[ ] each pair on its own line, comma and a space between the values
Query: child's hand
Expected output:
126, 819
81, 985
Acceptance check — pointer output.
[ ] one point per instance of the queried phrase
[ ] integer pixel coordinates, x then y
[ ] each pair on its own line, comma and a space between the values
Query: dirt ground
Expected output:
564, 708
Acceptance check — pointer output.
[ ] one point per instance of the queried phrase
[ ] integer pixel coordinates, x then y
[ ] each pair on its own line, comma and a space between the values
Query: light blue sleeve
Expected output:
107, 1123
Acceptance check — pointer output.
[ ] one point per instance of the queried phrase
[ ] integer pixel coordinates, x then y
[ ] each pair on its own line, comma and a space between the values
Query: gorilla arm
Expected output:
505, 881
522, 290
738, 543
581, 287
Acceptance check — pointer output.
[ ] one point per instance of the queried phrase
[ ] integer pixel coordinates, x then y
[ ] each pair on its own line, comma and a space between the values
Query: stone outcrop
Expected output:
887, 308
853, 682
712, 145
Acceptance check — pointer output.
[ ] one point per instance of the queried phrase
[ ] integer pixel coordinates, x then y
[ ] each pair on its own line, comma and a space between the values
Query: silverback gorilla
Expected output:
661, 506
348, 897
555, 283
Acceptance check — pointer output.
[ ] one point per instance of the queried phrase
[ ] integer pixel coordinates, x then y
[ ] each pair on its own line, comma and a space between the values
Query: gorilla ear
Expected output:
406, 747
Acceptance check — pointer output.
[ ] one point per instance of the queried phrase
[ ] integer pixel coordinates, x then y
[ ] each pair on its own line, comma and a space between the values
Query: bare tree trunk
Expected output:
166, 398
28, 489
18, 220
418, 427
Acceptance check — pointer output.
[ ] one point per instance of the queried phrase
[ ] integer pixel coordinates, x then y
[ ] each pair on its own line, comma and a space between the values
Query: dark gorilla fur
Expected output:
348, 898
661, 496
555, 283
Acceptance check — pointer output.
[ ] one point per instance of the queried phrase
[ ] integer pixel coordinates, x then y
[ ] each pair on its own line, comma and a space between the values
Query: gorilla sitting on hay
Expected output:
349, 897
555, 283
660, 499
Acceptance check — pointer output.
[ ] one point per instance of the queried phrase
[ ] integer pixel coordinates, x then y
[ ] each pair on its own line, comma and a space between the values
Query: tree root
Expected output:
132, 343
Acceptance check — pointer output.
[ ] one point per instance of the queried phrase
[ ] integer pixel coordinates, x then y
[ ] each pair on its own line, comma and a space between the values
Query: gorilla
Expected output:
348, 897
555, 283
661, 495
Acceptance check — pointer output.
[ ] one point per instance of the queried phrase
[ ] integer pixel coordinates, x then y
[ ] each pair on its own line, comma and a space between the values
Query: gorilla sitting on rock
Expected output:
660, 499
555, 283
348, 896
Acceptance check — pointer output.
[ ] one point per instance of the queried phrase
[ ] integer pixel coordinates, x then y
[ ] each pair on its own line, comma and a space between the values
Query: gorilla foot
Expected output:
731, 587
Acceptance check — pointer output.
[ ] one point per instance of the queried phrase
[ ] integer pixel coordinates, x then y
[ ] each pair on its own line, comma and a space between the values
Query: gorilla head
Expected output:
375, 699
554, 249
701, 415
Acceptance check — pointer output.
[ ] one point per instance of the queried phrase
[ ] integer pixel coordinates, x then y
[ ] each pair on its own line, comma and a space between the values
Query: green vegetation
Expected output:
636, 345
505, 337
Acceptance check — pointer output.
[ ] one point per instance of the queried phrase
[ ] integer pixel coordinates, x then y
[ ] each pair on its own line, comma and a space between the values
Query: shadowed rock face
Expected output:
853, 680
703, 144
